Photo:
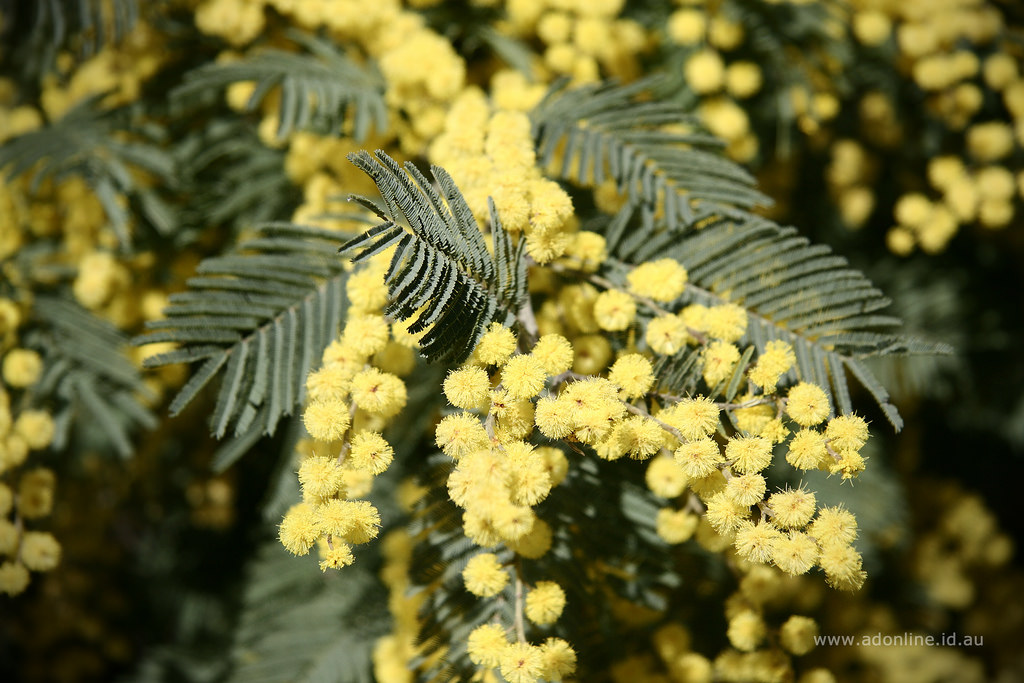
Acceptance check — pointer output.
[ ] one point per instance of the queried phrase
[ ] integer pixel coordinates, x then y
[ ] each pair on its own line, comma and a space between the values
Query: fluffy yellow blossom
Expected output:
847, 432
792, 508
990, 141
614, 310
378, 393
40, 551
36, 427
544, 603
553, 418
523, 376
366, 334
586, 251
746, 489
521, 663
798, 634
666, 478
727, 322
746, 631
749, 454
299, 529
807, 404
871, 27
330, 382
660, 280
22, 367
529, 480
371, 452
460, 434
468, 388
724, 513
633, 374
842, 566
834, 525
320, 477
559, 659
337, 557
720, 360
14, 578
705, 71
699, 457
592, 353
687, 26
486, 644
776, 359
693, 417
554, 353
512, 522
496, 345
640, 436
327, 420
795, 554
743, 79
807, 450
756, 542
35, 493
484, 576
666, 334
534, 544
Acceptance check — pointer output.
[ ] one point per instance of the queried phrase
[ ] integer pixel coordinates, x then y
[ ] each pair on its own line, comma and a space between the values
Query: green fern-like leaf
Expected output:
96, 387
321, 85
672, 179
103, 147
259, 318
441, 264
299, 626
792, 290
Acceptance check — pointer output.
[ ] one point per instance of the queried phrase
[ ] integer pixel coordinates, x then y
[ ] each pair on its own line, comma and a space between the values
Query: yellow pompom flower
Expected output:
807, 404
320, 477
486, 644
299, 529
553, 418
749, 454
675, 526
511, 521
484, 576
834, 525
521, 663
720, 360
705, 72
523, 376
746, 630
370, 451
699, 457
795, 554
554, 353
666, 334
746, 489
468, 388
593, 351
496, 345
534, 544
544, 603
687, 26
22, 367
327, 420
378, 393
847, 432
798, 634
665, 478
792, 508
807, 450
14, 578
40, 551
36, 427
725, 514
460, 434
633, 374
727, 322
559, 659
366, 334
614, 310
662, 280
337, 557
842, 566
363, 521
776, 359
35, 493
366, 290
529, 481
756, 542
330, 382
743, 79
641, 437
693, 417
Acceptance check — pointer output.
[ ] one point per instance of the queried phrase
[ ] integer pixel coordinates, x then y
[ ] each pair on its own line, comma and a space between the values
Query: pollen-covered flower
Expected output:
327, 419
614, 310
756, 542
776, 359
693, 417
521, 663
370, 451
35, 492
660, 280
468, 388
842, 566
14, 578
40, 551
511, 521
665, 477
36, 427
545, 602
798, 634
699, 457
486, 643
363, 521
796, 553
807, 450
749, 454
746, 489
536, 543
666, 334
727, 322
807, 404
559, 659
746, 630
847, 432
366, 334
378, 393
496, 345
460, 434
22, 367
553, 418
724, 513
675, 526
320, 477
523, 376
484, 576
720, 360
337, 557
330, 382
633, 374
593, 351
792, 508
554, 353
299, 529
834, 525
640, 436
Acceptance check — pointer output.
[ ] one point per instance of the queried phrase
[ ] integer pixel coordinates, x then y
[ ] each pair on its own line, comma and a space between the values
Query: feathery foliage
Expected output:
260, 317
792, 290
97, 389
105, 148
442, 266
320, 88
669, 171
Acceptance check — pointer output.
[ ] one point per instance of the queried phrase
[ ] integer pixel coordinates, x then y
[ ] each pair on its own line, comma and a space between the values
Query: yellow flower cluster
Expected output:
489, 153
